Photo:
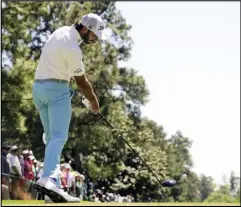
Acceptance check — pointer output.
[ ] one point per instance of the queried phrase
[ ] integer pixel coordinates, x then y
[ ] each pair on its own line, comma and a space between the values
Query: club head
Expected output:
168, 183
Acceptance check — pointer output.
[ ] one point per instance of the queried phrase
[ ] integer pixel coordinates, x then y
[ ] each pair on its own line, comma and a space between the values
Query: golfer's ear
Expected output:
84, 29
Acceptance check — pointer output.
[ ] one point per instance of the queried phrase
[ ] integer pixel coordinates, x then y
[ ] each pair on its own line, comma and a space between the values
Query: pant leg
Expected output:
15, 188
41, 103
59, 112
44, 115
26, 185
53, 101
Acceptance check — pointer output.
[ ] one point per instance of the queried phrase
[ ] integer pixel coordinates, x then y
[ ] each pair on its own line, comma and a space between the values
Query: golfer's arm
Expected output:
85, 87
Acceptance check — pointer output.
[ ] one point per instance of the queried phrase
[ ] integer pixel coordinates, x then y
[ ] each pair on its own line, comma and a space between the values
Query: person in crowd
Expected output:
32, 179
70, 179
80, 186
5, 179
28, 174
15, 171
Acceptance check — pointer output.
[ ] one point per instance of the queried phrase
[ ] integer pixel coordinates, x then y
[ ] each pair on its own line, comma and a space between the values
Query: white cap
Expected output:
25, 152
30, 152
82, 176
67, 166
94, 23
14, 147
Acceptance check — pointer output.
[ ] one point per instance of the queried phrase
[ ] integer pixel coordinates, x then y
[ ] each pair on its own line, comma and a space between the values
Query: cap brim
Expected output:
102, 35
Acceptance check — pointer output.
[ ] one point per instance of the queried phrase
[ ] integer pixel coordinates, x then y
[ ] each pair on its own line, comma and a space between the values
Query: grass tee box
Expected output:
87, 203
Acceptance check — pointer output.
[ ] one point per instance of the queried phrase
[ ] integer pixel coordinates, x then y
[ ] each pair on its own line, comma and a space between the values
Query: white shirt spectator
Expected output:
70, 179
61, 56
14, 161
8, 158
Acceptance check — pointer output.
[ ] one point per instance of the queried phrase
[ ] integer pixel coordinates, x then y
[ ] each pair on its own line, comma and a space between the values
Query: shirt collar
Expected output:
76, 34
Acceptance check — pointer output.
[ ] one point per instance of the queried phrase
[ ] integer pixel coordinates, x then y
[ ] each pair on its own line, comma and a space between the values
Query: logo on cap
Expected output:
101, 28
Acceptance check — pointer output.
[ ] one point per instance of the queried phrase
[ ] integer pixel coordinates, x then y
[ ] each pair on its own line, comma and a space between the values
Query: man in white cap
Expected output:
60, 60
16, 172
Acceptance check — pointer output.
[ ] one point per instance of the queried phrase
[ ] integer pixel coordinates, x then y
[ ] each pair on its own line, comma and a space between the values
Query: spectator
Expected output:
70, 180
5, 181
90, 190
15, 170
80, 186
63, 181
32, 178
62, 167
31, 161
5, 164
8, 153
28, 174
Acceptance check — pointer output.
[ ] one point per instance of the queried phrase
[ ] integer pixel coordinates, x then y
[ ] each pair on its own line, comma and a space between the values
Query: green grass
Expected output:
87, 203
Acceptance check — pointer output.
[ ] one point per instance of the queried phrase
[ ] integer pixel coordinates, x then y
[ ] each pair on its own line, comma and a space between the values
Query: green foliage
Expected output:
218, 197
179, 163
224, 189
234, 184
226, 193
206, 187
237, 196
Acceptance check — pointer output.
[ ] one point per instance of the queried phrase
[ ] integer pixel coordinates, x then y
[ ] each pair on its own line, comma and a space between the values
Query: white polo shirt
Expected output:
14, 161
61, 56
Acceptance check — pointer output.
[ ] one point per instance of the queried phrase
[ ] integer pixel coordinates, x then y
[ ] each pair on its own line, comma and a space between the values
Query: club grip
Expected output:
86, 102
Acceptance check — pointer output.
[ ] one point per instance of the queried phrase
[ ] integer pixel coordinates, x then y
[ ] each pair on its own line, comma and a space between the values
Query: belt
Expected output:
50, 80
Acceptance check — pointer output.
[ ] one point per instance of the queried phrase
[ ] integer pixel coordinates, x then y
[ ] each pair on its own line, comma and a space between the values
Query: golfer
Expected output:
60, 60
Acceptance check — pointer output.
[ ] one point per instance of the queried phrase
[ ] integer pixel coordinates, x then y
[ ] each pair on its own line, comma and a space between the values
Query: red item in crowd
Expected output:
28, 171
63, 182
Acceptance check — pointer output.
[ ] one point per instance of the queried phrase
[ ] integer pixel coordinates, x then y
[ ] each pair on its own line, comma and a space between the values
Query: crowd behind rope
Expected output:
20, 169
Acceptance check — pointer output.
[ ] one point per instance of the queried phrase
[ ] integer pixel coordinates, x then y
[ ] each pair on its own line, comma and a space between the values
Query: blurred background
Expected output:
168, 78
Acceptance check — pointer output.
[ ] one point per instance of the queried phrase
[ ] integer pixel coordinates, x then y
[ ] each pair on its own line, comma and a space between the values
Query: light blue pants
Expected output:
53, 100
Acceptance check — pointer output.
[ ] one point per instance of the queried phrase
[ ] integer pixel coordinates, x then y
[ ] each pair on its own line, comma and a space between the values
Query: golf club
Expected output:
166, 183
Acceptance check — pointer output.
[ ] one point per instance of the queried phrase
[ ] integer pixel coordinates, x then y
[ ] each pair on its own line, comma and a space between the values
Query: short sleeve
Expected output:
74, 61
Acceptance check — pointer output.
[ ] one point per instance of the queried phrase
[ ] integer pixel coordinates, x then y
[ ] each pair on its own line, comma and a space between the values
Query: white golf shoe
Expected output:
49, 188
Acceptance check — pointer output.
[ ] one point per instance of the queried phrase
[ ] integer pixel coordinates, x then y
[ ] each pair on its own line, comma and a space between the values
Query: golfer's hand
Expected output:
94, 105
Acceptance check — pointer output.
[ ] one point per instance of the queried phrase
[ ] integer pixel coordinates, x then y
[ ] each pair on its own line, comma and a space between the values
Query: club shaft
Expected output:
130, 148
101, 116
